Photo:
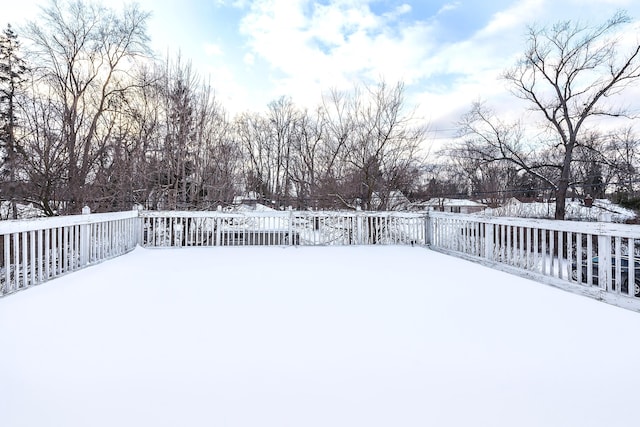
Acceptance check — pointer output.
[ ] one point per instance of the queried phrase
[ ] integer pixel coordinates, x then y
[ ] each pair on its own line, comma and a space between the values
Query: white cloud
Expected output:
240, 4
403, 9
300, 48
619, 3
447, 7
212, 49
249, 59
514, 17
319, 46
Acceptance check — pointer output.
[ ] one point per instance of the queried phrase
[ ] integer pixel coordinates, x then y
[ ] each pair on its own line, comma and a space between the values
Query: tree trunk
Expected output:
563, 182
561, 198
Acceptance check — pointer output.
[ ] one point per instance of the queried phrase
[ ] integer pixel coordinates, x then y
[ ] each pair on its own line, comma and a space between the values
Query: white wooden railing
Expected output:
177, 229
562, 251
556, 252
34, 251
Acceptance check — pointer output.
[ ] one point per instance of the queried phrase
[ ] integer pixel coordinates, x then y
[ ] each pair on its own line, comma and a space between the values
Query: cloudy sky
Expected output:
448, 53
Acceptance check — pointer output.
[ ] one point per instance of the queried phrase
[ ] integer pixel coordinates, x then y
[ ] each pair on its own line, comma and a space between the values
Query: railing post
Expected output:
427, 229
358, 237
291, 238
85, 238
139, 227
218, 241
488, 241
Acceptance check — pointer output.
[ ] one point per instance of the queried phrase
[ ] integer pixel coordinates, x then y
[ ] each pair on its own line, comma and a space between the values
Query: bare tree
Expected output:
592, 169
624, 149
251, 133
441, 180
44, 157
381, 143
218, 160
84, 52
488, 143
122, 173
567, 73
306, 166
283, 119
337, 110
357, 147
269, 143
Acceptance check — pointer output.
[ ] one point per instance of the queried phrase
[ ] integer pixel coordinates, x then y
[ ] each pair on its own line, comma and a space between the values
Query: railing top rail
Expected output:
21, 225
209, 214
601, 228
396, 214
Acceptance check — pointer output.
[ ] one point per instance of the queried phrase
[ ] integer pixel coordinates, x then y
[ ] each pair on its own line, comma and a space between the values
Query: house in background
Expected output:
440, 204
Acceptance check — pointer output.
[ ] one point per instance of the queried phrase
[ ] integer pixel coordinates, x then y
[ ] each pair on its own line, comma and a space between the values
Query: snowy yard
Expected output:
313, 336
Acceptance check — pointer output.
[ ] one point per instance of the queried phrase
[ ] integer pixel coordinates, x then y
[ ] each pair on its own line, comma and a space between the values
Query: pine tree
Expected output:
12, 77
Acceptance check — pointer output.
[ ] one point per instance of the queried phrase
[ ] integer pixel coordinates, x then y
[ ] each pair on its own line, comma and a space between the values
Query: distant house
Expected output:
463, 206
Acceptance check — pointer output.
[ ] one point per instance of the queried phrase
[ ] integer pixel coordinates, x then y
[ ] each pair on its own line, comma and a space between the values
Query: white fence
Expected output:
167, 229
34, 251
565, 252
562, 253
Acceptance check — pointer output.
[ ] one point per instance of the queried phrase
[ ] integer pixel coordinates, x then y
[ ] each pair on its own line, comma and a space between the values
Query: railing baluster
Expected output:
631, 270
617, 279
25, 260
16, 261
579, 257
33, 259
7, 264
590, 259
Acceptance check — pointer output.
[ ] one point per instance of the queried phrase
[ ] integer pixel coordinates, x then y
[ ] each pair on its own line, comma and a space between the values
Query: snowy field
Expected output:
359, 336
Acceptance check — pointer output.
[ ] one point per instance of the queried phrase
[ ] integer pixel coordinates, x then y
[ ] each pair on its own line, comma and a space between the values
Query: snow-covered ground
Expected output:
24, 211
314, 336
602, 210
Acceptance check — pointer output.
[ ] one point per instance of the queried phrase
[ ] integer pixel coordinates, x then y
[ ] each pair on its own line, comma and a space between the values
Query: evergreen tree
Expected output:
12, 72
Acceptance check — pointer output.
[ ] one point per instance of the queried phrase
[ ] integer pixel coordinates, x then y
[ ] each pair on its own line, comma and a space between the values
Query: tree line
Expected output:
90, 117
93, 119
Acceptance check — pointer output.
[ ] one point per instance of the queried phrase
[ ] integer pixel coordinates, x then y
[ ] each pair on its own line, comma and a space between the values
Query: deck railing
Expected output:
565, 253
177, 229
576, 253
34, 251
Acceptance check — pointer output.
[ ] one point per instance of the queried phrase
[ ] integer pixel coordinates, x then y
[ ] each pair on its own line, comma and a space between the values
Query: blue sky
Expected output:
448, 53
